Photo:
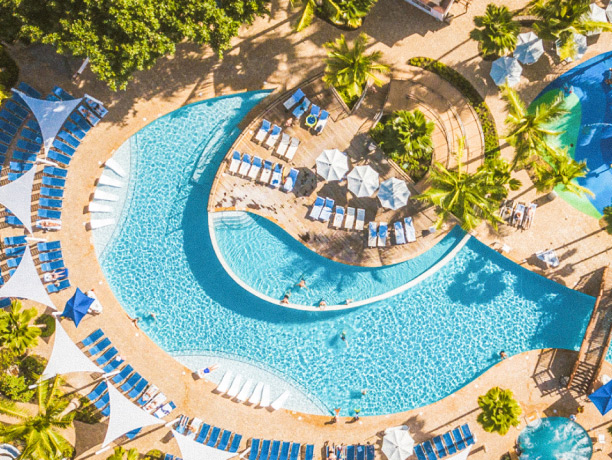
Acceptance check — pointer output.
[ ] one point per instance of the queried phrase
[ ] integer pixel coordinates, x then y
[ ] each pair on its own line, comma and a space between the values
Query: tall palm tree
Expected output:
348, 69
16, 333
496, 31
527, 131
414, 131
39, 433
120, 454
561, 19
561, 169
466, 196
306, 14
498, 174
500, 411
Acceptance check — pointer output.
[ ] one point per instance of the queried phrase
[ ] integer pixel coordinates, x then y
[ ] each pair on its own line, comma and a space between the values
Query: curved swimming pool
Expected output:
409, 350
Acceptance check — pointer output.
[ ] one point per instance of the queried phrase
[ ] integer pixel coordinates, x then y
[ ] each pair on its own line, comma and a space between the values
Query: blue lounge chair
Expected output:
327, 210
203, 434
5, 138
27, 146
440, 452
295, 451
131, 382
11, 118
315, 110
106, 356
14, 250
16, 108
448, 443
360, 452
419, 452
265, 449
294, 99
64, 148
24, 156
50, 256
62, 94
225, 437
467, 435
69, 139
235, 443
33, 125
214, 436
27, 89
31, 136
138, 388
350, 452
96, 106
44, 246
102, 404
15, 240
53, 182
370, 452
382, 234
301, 109
284, 455
12, 220
100, 346
429, 451
52, 192
50, 203
275, 450
459, 442
5, 303
309, 452
132, 434
3, 150
254, 449
112, 365
91, 117
168, 457
49, 214
93, 337
96, 392
20, 167
48, 267
74, 130
291, 180
317, 207
122, 375
57, 172
263, 130
8, 128
14, 263
80, 121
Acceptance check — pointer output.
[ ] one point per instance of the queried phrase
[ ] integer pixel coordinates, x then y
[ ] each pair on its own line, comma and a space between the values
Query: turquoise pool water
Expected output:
555, 438
408, 351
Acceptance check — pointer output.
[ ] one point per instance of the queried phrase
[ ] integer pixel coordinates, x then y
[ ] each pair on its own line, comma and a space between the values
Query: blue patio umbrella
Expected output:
506, 70
529, 48
602, 398
77, 307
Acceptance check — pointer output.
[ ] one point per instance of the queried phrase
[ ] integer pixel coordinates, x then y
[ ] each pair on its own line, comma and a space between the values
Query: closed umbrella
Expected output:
602, 398
580, 42
393, 193
77, 306
506, 70
529, 48
332, 164
363, 181
597, 14
398, 445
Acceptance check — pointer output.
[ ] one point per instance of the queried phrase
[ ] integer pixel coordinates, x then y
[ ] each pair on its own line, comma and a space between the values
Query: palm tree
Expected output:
120, 452
348, 69
306, 14
16, 333
498, 173
466, 196
561, 19
500, 411
560, 169
498, 31
40, 433
527, 131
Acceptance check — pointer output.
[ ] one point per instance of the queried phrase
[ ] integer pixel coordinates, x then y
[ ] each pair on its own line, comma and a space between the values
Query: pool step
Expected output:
233, 219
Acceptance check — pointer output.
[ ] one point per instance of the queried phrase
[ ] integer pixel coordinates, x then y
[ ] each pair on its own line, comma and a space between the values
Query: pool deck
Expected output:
193, 74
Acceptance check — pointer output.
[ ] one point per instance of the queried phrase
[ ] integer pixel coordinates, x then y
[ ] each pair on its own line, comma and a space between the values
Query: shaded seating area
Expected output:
207, 435
278, 450
446, 445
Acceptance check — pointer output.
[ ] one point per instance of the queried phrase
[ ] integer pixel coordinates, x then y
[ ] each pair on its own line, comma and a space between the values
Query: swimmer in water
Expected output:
302, 283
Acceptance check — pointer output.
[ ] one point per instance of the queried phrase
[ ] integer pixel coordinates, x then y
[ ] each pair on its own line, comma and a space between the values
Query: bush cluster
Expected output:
471, 94
15, 387
49, 323
87, 413
9, 73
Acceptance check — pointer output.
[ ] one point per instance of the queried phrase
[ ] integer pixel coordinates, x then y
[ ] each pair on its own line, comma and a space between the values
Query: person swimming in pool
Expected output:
285, 300
302, 284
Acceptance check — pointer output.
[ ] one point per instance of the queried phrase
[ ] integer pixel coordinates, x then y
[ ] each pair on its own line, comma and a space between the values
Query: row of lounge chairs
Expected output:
518, 215
351, 452
131, 383
286, 147
279, 450
250, 168
322, 210
319, 117
257, 396
404, 233
444, 445
210, 436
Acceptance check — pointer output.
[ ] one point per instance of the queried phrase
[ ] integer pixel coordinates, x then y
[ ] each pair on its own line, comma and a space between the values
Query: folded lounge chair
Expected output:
49, 214
245, 165
49, 267
53, 171
350, 218
410, 232
100, 346
255, 168
265, 397
339, 217
131, 382
49, 256
235, 163
256, 396
327, 210
273, 137
261, 134
267, 172
293, 146
372, 237
360, 222
235, 386
224, 384
280, 401
245, 391
294, 99
277, 175
290, 180
400, 237
283, 144
138, 388
301, 109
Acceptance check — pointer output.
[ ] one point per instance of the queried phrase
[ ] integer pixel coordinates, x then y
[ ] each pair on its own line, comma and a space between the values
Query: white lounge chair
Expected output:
327, 210
321, 122
256, 396
317, 207
194, 428
235, 386
294, 99
224, 383
372, 236
519, 214
295, 142
280, 401
115, 167
154, 403
105, 196
245, 391
273, 137
265, 128
99, 223
255, 168
339, 217
529, 215
265, 396
266, 172
235, 163
383, 229
283, 144
277, 176
400, 236
99, 207
350, 218
106, 180
245, 165
410, 232
360, 222
290, 180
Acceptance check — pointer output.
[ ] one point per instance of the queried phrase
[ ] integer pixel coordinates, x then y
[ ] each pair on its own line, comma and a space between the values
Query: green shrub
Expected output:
15, 387
32, 367
471, 94
153, 454
607, 217
9, 73
49, 322
87, 413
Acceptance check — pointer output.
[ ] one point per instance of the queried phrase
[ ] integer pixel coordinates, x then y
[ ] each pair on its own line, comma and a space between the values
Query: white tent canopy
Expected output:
192, 450
363, 181
66, 357
393, 193
17, 197
125, 416
25, 283
332, 164
398, 444
50, 115
597, 14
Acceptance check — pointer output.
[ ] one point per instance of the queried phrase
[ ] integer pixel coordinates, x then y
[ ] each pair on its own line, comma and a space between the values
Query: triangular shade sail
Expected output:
393, 193
463, 455
50, 115
363, 181
125, 416
66, 357
602, 398
25, 283
77, 307
192, 450
17, 197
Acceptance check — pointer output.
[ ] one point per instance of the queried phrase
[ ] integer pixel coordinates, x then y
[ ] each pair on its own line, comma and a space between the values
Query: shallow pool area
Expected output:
408, 350
555, 438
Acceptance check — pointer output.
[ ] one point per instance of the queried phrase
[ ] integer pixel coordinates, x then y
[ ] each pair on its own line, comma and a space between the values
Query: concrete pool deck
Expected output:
400, 31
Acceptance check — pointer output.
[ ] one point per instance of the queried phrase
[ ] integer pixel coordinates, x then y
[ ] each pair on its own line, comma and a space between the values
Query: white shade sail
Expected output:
580, 42
332, 164
398, 444
597, 14
529, 48
125, 416
363, 181
462, 455
393, 193
16, 196
50, 115
66, 357
506, 70
25, 282
192, 450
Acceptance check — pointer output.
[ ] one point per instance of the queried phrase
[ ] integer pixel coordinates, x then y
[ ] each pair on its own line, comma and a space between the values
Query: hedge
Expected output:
9, 73
471, 94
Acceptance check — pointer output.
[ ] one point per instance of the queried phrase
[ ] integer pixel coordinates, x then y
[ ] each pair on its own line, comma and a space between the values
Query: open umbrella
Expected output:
398, 444
393, 193
332, 164
529, 48
363, 181
77, 307
506, 70
597, 14
580, 41
602, 398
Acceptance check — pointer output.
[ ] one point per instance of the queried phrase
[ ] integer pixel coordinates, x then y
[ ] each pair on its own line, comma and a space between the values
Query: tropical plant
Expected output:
349, 13
528, 131
121, 454
607, 218
561, 19
500, 411
307, 12
16, 333
498, 175
349, 69
559, 169
40, 433
466, 196
496, 32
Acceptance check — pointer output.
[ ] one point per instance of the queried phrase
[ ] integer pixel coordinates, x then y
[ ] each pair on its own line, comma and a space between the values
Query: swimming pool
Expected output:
408, 351
587, 129
555, 438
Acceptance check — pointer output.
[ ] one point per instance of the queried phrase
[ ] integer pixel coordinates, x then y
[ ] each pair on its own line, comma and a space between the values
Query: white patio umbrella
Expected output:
363, 181
597, 14
398, 445
506, 70
609, 11
332, 164
529, 48
580, 41
393, 193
